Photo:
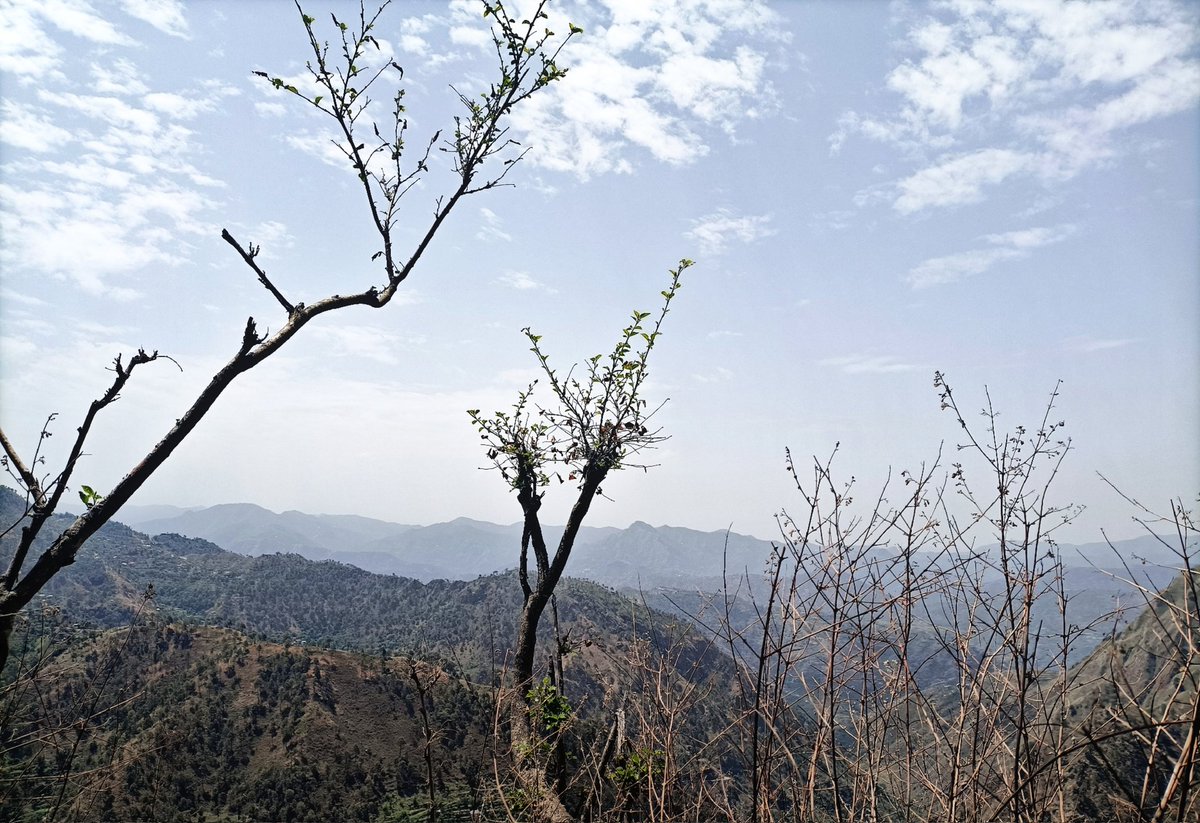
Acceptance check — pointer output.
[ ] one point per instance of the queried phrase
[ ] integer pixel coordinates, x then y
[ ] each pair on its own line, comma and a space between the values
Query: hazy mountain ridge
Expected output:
325, 603
463, 549
678, 568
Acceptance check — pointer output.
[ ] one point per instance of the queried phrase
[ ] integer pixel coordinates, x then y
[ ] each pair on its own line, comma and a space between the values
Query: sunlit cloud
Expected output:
717, 231
522, 281
1004, 246
959, 179
1051, 85
868, 364
1088, 345
718, 374
652, 78
165, 15
29, 128
119, 183
490, 229
365, 343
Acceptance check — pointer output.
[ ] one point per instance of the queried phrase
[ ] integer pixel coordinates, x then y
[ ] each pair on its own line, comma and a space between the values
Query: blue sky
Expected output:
1006, 192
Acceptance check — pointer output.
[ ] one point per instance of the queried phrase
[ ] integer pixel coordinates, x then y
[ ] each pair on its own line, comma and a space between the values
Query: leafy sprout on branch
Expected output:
598, 421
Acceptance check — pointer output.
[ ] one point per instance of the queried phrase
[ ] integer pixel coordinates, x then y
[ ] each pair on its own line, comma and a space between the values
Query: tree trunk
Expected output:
533, 777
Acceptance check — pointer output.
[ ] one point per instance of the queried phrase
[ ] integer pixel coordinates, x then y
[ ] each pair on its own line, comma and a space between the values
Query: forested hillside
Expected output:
332, 691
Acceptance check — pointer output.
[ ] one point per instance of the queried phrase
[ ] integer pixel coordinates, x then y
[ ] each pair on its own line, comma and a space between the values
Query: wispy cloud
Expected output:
868, 364
365, 342
1005, 246
120, 182
653, 77
1050, 84
271, 236
18, 297
1087, 345
29, 128
718, 374
165, 15
958, 179
522, 281
491, 229
716, 231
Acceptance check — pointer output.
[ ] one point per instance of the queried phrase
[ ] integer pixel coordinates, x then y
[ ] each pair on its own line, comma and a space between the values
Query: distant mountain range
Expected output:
462, 549
639, 556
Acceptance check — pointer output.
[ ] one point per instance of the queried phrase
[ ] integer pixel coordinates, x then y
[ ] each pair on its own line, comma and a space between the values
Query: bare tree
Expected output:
480, 154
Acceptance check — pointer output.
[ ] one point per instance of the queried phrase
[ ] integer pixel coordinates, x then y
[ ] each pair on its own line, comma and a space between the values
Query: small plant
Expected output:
549, 711
90, 496
637, 767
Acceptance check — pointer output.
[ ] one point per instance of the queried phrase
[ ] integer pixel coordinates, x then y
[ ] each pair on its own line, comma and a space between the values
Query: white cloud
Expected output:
1023, 239
490, 229
714, 232
79, 18
937, 87
414, 45
320, 146
711, 87
1016, 86
954, 267
121, 76
868, 364
112, 110
649, 76
26, 50
164, 15
1079, 137
365, 342
270, 109
110, 189
959, 179
522, 281
719, 374
1005, 246
271, 236
29, 128
1087, 345
178, 106
8, 295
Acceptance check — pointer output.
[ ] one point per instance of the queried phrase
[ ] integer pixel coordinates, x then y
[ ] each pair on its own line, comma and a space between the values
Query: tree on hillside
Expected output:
597, 422
480, 154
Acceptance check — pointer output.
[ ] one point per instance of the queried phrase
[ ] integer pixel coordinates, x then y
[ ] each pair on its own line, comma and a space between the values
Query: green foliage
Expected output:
344, 80
89, 496
637, 767
598, 420
549, 710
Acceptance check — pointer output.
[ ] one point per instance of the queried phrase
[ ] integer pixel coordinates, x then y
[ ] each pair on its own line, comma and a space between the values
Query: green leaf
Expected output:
89, 496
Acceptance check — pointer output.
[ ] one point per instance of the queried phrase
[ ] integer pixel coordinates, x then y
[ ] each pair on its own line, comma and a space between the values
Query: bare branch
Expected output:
248, 257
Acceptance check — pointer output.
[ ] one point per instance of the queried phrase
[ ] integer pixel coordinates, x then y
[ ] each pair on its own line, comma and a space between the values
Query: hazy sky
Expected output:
1005, 191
